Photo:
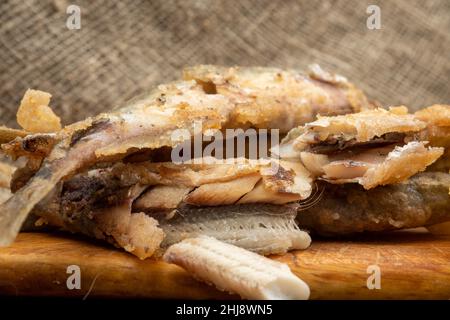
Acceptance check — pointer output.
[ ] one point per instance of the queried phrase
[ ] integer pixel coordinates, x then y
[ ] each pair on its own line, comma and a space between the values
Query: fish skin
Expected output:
262, 228
280, 99
6, 172
168, 180
348, 209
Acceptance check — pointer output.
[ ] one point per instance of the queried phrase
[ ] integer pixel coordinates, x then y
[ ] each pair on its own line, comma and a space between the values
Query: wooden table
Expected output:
413, 265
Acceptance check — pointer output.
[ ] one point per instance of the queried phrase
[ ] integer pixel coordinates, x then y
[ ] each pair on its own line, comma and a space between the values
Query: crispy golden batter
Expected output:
281, 99
34, 114
437, 118
31, 146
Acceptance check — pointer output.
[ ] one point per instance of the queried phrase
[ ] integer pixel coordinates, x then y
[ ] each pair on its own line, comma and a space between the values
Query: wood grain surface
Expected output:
414, 265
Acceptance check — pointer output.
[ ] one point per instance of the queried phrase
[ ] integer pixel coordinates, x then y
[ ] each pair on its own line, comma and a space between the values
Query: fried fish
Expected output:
150, 122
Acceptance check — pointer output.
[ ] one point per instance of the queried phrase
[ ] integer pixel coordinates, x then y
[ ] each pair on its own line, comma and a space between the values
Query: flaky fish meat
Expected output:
422, 200
374, 147
151, 122
276, 182
237, 270
261, 228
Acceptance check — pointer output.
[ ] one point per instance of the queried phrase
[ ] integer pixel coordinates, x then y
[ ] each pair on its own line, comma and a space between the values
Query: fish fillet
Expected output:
358, 127
161, 198
237, 270
222, 193
419, 201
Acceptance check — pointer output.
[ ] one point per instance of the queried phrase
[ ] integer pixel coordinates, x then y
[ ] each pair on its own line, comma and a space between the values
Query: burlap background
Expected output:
125, 47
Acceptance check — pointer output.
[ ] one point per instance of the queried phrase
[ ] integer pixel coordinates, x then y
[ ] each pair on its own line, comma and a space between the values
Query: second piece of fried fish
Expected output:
347, 209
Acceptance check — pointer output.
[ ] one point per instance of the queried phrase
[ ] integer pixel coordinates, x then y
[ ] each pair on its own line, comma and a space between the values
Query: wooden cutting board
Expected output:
413, 265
